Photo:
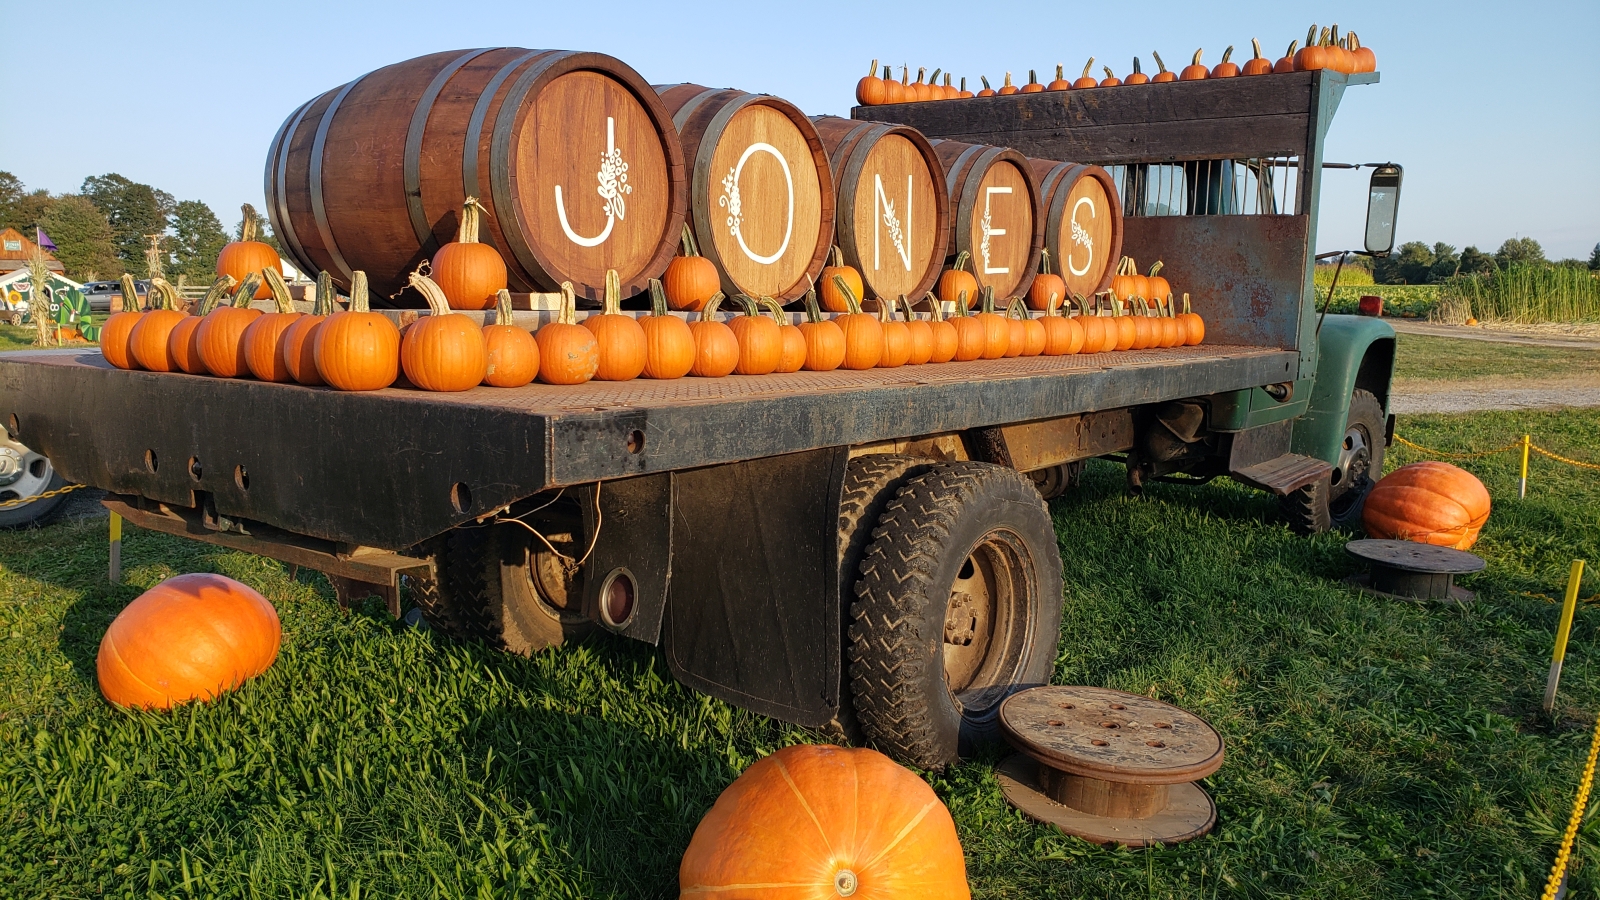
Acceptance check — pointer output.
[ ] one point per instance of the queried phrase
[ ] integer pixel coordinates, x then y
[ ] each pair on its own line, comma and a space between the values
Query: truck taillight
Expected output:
617, 598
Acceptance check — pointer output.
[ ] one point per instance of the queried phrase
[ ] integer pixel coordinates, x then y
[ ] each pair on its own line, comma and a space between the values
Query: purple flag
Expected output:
44, 241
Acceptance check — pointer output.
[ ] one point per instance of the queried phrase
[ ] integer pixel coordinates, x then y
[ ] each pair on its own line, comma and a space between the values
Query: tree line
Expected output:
105, 228
1414, 262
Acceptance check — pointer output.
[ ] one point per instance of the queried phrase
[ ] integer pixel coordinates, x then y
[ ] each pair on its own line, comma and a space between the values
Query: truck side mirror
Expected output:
1383, 204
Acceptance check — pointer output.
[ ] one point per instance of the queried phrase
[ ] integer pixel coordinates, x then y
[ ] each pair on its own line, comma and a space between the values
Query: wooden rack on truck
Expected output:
869, 549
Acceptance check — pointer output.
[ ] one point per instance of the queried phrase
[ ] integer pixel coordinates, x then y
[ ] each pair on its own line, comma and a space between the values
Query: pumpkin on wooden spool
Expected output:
998, 215
1429, 503
149, 342
1194, 327
1031, 340
996, 328
263, 338
572, 155
1061, 83
181, 341
1111, 79
1086, 80
945, 338
511, 354
1195, 71
1063, 335
219, 338
833, 299
825, 821
1082, 225
793, 358
470, 273
619, 337
117, 332
1227, 68
1285, 63
568, 352
668, 342
691, 279
760, 341
1257, 64
824, 338
298, 343
761, 195
892, 216
240, 258
1162, 76
1137, 76
972, 337
863, 333
870, 90
921, 334
896, 338
442, 351
358, 349
986, 90
716, 349
191, 637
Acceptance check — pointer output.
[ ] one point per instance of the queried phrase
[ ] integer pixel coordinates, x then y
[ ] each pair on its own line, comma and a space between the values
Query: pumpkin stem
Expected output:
567, 313
935, 308
611, 305
1311, 35
905, 74
247, 290
947, 79
1032, 77
850, 301
872, 69
934, 78
130, 293
708, 313
247, 230
1109, 73
985, 80
906, 310
746, 304
771, 306
219, 289
1186, 303
963, 305
988, 298
922, 73
471, 210
161, 293
1060, 75
963, 84
689, 247
358, 292
1156, 268
658, 298
1226, 54
1087, 66
1257, 46
1136, 69
1197, 53
323, 304
280, 291
502, 307
835, 256
813, 311
888, 73
1008, 80
1324, 41
431, 292
1159, 64
1016, 309
1290, 52
961, 261
1044, 261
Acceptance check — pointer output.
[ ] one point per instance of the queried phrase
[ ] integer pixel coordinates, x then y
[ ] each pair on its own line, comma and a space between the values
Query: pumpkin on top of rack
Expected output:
470, 273
240, 258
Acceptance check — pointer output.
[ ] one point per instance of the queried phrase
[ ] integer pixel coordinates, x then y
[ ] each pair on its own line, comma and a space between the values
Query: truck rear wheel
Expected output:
1337, 501
500, 585
24, 473
958, 607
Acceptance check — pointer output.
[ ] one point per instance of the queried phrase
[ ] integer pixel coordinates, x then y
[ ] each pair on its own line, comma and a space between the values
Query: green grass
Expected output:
16, 337
1375, 748
1427, 358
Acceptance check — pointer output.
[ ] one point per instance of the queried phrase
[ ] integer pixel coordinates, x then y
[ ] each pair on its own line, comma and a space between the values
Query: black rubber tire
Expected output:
40, 512
870, 482
897, 631
484, 593
1324, 505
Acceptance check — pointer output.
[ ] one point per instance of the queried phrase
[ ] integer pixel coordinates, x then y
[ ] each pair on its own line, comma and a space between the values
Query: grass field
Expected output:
1426, 358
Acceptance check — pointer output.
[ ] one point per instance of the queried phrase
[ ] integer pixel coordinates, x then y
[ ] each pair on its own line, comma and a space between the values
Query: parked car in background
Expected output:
101, 294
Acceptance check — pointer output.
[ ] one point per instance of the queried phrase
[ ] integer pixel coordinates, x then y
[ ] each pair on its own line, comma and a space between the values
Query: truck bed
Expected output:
392, 467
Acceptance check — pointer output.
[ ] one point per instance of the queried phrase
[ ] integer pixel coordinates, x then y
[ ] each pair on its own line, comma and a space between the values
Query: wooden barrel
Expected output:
1082, 223
998, 218
892, 215
760, 191
572, 154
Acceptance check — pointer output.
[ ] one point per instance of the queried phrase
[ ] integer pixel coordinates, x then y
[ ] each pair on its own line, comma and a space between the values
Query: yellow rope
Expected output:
1579, 806
1506, 449
1571, 462
46, 495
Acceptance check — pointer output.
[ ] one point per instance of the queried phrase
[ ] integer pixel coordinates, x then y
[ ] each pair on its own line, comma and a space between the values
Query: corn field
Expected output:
1527, 294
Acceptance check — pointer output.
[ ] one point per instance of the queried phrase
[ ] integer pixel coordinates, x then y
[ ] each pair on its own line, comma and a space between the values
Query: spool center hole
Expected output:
1099, 743
1109, 725
1055, 723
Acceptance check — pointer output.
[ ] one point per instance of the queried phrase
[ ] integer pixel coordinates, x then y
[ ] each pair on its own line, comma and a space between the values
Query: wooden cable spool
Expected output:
892, 218
761, 192
572, 155
1082, 223
1108, 766
994, 185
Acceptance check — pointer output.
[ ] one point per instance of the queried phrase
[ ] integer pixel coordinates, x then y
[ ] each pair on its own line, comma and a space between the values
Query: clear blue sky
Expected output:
1493, 108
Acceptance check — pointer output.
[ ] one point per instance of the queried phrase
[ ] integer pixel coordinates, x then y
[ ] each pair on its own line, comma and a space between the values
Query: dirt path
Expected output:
1530, 336
1472, 394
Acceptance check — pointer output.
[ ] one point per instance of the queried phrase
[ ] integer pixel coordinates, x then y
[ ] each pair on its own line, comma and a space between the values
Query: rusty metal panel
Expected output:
1030, 446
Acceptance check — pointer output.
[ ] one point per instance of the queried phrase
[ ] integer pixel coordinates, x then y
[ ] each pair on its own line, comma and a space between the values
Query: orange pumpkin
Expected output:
191, 637
1163, 75
442, 351
1430, 503
896, 338
181, 341
668, 342
1033, 336
1033, 86
691, 279
1137, 76
1194, 327
794, 342
1086, 80
824, 338
760, 341
825, 821
219, 338
921, 335
1061, 83
863, 333
1048, 288
895, 91
619, 337
1097, 337
1063, 336
117, 332
1111, 79
298, 341
248, 255
832, 298
870, 90
263, 338
919, 90
470, 273
986, 91
944, 333
1366, 60
1226, 68
358, 349
1145, 329
1313, 55
716, 350
996, 330
964, 94
1172, 333
972, 338
1155, 286
1122, 328
568, 352
1257, 64
512, 354
1008, 88
1194, 71
1285, 63
956, 281
149, 341
1127, 283
1017, 339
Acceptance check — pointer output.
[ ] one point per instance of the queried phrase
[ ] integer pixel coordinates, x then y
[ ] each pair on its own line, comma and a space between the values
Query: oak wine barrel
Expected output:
998, 219
571, 153
760, 191
1082, 223
892, 215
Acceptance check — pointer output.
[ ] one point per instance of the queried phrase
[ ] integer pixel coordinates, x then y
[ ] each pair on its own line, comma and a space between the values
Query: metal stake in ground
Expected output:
116, 548
1568, 605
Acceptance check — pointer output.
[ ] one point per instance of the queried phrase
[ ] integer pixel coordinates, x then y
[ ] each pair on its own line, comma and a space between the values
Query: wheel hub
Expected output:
10, 466
1355, 458
969, 617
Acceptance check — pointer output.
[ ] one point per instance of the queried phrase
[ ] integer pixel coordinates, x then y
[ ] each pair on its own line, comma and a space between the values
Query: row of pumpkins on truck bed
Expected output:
460, 176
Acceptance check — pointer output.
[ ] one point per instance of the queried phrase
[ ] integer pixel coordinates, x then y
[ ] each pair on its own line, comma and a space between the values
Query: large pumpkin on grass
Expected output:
1430, 503
189, 637
825, 822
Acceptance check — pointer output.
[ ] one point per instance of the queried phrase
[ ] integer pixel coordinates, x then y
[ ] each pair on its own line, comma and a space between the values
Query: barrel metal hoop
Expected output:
681, 118
955, 167
277, 178
700, 182
480, 111
500, 167
850, 179
413, 156
318, 210
969, 192
847, 143
1058, 202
